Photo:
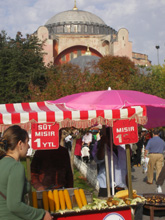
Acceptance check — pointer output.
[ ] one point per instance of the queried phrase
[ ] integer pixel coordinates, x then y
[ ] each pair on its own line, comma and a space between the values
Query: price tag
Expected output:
125, 132
45, 136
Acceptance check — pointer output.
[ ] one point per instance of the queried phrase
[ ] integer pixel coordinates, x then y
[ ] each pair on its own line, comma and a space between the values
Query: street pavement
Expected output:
139, 184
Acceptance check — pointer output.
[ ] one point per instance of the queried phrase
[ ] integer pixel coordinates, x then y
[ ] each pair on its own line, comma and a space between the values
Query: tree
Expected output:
21, 63
114, 72
68, 79
150, 81
62, 80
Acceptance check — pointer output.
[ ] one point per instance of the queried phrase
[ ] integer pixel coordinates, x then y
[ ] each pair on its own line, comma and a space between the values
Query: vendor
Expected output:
51, 169
119, 163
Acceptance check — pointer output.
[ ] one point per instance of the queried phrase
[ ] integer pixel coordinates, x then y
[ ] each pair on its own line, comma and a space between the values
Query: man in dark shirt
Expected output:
51, 169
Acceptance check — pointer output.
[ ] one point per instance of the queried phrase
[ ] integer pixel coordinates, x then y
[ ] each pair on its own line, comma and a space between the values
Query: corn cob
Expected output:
123, 193
34, 198
78, 198
83, 197
62, 199
67, 199
45, 200
56, 199
51, 200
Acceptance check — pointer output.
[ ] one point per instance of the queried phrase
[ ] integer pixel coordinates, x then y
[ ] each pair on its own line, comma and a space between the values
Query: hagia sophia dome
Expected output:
77, 22
77, 16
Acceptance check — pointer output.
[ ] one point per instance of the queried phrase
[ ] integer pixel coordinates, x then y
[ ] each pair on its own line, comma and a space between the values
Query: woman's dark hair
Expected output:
12, 136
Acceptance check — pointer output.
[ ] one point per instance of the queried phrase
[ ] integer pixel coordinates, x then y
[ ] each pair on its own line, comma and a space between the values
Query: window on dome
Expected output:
79, 28
85, 28
67, 28
60, 29
97, 30
74, 28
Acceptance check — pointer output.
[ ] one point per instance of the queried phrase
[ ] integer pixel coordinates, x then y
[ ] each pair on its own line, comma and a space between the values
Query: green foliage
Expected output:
21, 63
115, 72
62, 80
81, 182
152, 82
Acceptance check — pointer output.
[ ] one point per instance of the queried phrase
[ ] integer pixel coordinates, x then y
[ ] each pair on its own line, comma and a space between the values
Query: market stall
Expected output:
59, 113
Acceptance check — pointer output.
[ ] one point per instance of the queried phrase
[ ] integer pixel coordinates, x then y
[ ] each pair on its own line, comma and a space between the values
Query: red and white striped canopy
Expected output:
44, 112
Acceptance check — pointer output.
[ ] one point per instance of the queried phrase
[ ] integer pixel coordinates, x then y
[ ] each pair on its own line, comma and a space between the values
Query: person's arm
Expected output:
15, 188
145, 153
147, 149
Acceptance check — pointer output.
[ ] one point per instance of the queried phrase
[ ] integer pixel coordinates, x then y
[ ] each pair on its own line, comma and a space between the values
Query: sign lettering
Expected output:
45, 136
125, 132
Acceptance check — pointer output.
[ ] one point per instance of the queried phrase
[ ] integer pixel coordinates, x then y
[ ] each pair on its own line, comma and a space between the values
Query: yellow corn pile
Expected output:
45, 200
34, 199
51, 201
83, 197
60, 199
123, 193
67, 199
56, 199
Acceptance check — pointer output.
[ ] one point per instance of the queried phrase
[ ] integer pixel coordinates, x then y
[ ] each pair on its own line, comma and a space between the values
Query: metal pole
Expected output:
129, 171
107, 171
29, 178
157, 47
112, 167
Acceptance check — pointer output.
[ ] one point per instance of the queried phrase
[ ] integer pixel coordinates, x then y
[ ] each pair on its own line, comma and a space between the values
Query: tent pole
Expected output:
107, 171
107, 165
129, 170
29, 178
112, 164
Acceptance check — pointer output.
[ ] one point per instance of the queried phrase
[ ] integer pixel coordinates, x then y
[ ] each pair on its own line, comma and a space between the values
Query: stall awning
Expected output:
43, 112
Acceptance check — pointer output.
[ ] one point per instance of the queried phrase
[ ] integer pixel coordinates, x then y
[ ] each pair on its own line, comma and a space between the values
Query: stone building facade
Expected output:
67, 35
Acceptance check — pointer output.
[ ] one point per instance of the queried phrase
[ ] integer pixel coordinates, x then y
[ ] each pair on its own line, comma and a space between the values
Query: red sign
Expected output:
101, 215
45, 136
125, 132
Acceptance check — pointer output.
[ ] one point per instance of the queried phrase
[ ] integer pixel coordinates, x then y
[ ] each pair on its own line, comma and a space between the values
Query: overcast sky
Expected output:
145, 20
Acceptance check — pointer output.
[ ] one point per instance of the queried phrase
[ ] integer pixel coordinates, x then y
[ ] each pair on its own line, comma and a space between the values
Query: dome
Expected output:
75, 16
77, 22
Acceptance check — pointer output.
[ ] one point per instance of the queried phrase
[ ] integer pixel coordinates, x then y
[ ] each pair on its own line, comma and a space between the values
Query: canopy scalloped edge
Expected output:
142, 120
99, 120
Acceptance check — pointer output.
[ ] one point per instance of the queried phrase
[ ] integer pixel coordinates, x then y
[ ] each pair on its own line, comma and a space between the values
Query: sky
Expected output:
144, 20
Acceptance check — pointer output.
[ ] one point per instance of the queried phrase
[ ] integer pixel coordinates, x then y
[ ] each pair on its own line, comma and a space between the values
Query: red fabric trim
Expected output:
43, 107
10, 108
1, 118
116, 114
50, 116
67, 114
26, 107
15, 118
131, 111
33, 116
100, 113
144, 110
83, 115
